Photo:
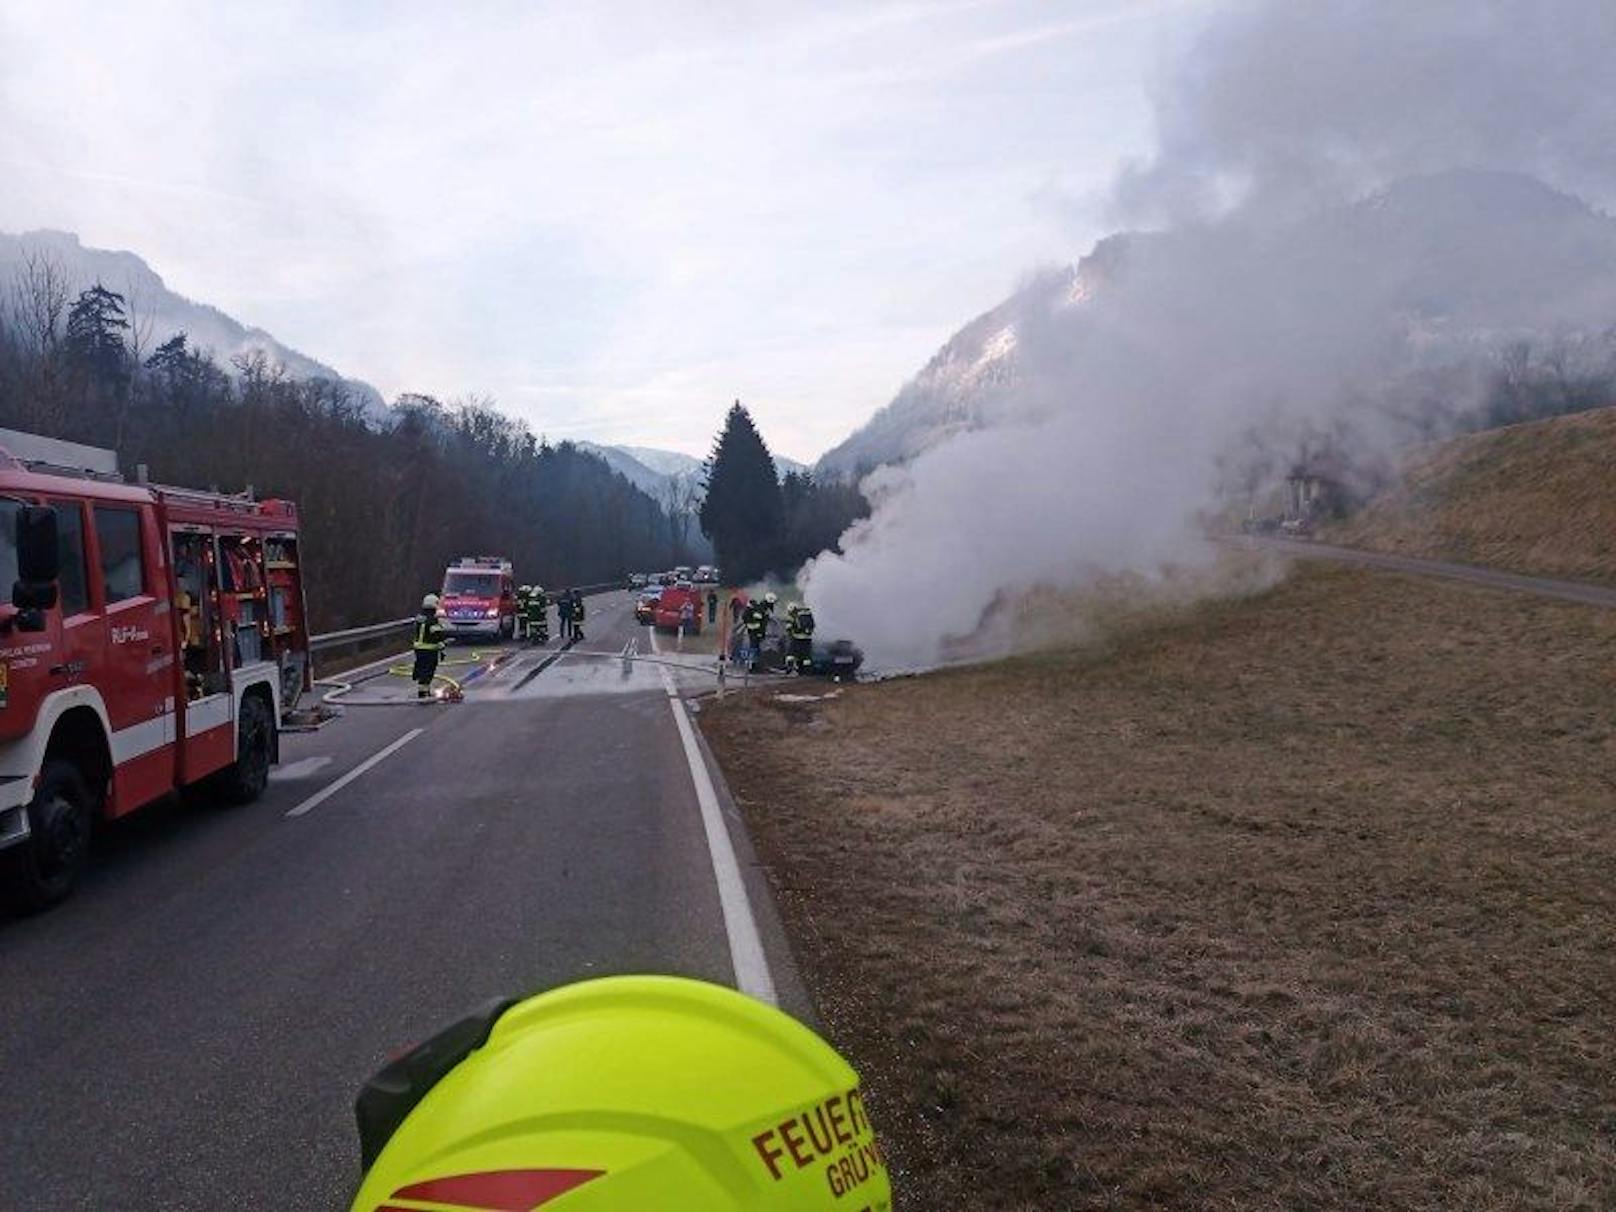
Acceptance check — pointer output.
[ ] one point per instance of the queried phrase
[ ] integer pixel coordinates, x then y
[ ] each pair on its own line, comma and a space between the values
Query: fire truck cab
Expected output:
479, 598
153, 638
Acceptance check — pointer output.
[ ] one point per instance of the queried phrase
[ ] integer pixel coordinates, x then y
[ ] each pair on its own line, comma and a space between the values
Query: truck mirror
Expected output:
33, 595
39, 559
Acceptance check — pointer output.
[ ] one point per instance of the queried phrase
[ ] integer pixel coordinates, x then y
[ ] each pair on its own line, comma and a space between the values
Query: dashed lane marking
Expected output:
375, 759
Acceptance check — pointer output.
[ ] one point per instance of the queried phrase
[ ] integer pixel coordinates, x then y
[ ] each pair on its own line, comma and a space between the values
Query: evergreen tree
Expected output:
742, 513
172, 358
187, 377
817, 514
96, 324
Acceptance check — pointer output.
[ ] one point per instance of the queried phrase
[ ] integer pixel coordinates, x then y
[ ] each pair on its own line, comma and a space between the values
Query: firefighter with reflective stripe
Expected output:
430, 641
577, 615
621, 1095
756, 621
800, 635
524, 595
536, 615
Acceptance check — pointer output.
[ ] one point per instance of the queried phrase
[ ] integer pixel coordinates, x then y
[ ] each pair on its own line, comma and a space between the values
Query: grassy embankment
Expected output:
1538, 498
1304, 900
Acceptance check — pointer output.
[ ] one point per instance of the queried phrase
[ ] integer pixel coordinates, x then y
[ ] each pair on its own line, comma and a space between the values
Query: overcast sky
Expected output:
614, 218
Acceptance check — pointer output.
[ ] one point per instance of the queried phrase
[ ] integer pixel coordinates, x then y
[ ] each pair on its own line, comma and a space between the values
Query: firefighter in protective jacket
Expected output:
800, 634
536, 615
430, 641
524, 595
756, 621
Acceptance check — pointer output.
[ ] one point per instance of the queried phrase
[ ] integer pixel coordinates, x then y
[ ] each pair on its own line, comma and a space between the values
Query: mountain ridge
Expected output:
652, 470
1467, 261
167, 311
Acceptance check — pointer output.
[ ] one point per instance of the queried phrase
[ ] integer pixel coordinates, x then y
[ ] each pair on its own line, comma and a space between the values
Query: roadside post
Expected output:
723, 636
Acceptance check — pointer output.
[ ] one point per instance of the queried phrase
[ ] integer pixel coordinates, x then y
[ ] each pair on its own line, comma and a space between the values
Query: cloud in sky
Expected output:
614, 218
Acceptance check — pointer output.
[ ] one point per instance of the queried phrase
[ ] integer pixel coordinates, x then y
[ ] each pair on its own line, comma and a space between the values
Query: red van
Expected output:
479, 598
681, 602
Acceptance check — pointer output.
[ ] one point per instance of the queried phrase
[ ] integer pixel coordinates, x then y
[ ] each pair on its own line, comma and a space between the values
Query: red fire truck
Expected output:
479, 597
154, 637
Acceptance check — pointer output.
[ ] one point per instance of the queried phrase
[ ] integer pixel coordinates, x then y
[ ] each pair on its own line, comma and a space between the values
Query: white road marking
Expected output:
752, 974
331, 789
300, 769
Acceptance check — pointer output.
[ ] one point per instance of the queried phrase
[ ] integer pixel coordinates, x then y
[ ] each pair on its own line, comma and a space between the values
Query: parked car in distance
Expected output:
637, 580
645, 607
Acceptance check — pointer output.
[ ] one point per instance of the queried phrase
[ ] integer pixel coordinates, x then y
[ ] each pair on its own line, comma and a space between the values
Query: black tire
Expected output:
44, 870
244, 781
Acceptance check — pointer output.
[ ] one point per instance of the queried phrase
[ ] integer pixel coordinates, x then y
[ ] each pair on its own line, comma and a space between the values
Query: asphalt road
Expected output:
189, 1030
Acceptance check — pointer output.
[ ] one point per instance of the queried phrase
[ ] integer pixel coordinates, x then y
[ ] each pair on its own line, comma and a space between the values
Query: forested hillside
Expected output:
384, 506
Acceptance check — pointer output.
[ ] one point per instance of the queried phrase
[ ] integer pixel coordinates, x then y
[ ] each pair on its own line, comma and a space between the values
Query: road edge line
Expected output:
375, 759
746, 953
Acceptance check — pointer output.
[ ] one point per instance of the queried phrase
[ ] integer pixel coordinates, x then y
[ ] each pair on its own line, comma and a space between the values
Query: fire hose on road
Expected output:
452, 689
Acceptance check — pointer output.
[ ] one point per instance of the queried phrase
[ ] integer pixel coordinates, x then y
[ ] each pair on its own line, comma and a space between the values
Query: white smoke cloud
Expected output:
1276, 316
1285, 103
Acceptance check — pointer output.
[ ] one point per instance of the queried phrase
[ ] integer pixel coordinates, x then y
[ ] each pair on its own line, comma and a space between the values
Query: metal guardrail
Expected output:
353, 636
356, 635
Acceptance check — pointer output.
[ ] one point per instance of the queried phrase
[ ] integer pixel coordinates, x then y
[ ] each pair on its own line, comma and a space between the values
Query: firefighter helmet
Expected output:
770, 598
628, 1092
430, 602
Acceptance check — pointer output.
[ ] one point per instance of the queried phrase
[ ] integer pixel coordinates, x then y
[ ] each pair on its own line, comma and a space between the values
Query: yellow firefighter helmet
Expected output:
621, 1094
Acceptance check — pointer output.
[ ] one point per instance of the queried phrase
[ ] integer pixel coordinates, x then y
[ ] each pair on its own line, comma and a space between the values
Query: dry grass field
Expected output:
1306, 900
1538, 498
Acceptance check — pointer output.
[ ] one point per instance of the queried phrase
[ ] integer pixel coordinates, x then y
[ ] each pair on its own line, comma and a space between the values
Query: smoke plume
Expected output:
1274, 306
1286, 104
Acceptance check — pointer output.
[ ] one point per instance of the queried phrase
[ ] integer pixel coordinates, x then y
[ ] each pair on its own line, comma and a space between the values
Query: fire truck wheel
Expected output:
45, 868
245, 781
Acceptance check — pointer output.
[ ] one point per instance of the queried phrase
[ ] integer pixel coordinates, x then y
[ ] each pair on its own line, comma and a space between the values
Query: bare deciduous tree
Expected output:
39, 301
